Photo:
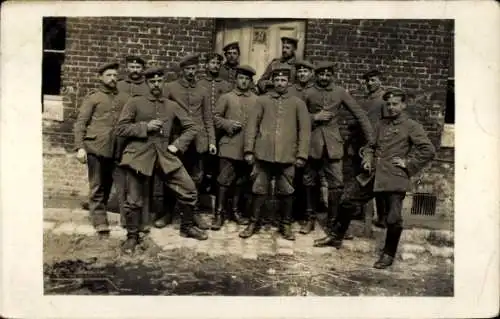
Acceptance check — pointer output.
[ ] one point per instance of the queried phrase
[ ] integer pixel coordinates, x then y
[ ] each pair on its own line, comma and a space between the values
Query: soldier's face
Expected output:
189, 72
280, 83
109, 78
134, 70
325, 77
243, 82
395, 105
287, 50
304, 75
202, 66
373, 83
232, 56
213, 65
155, 85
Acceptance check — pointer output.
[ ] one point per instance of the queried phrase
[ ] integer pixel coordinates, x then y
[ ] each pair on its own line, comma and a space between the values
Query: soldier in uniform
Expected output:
288, 48
324, 101
96, 142
147, 122
374, 105
193, 98
401, 150
134, 83
231, 115
304, 78
232, 55
277, 139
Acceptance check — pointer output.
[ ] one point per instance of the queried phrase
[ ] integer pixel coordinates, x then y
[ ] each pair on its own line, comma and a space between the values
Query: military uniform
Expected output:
131, 86
94, 131
326, 147
395, 137
147, 153
277, 134
232, 107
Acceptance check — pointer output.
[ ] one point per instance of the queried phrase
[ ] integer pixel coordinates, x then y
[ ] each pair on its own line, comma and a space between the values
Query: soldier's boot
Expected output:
188, 227
337, 227
237, 215
219, 215
198, 219
309, 225
253, 227
129, 245
286, 208
390, 248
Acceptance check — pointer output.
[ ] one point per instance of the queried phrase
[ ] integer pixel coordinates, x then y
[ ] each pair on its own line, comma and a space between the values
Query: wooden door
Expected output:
259, 39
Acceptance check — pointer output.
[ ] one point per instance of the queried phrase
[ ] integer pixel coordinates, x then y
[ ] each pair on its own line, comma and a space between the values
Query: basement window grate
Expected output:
424, 204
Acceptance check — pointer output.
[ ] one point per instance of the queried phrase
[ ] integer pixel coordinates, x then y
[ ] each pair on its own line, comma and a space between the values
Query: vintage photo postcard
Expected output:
250, 159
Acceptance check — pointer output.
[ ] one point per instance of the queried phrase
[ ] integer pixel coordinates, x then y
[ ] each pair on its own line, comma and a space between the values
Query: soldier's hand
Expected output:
154, 125
367, 166
81, 156
300, 162
323, 116
172, 149
236, 127
398, 161
249, 158
212, 149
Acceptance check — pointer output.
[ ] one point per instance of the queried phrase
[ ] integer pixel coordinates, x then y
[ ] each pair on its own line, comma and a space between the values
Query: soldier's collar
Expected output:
290, 61
380, 91
138, 81
103, 88
327, 88
210, 77
398, 120
185, 83
299, 87
276, 95
151, 97
229, 66
240, 93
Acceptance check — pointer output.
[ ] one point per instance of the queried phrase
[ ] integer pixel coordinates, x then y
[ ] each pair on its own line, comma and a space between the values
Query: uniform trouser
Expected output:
233, 172
194, 164
329, 169
355, 195
100, 174
178, 181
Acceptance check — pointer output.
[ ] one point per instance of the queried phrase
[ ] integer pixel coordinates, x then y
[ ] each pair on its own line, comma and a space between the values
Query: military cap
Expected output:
192, 59
107, 66
154, 72
394, 91
324, 65
135, 59
232, 45
213, 55
281, 70
371, 73
304, 63
245, 69
293, 41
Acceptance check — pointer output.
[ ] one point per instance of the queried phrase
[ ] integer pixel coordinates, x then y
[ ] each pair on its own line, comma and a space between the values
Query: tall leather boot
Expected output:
392, 238
218, 218
198, 219
188, 227
237, 215
257, 204
337, 227
333, 207
308, 226
132, 219
286, 206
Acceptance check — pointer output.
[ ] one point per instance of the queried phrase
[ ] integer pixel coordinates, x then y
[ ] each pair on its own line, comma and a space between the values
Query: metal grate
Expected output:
424, 204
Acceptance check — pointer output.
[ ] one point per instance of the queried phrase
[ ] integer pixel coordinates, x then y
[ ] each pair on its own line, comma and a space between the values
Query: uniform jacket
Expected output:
132, 87
374, 106
95, 124
299, 91
278, 129
265, 79
332, 98
233, 106
228, 73
145, 148
401, 137
215, 86
193, 98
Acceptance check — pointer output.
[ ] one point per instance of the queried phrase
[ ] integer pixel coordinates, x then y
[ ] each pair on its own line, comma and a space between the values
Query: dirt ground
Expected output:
82, 265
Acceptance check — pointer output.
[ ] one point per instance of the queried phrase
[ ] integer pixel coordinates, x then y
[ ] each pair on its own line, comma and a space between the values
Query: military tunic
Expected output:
265, 80
277, 133
133, 87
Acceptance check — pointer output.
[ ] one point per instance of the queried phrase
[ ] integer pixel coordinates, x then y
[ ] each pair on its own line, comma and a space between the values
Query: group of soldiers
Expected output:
252, 138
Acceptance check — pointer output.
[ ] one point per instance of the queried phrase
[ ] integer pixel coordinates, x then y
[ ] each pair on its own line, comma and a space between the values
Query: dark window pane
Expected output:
51, 73
54, 33
449, 116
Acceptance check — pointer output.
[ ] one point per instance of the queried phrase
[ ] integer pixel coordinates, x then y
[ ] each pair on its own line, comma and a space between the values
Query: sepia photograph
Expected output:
248, 156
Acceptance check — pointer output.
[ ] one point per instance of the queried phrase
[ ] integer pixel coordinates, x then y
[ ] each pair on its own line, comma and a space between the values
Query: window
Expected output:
54, 45
448, 134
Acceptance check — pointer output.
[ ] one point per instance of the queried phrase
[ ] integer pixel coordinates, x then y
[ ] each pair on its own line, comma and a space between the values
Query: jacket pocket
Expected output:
90, 137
